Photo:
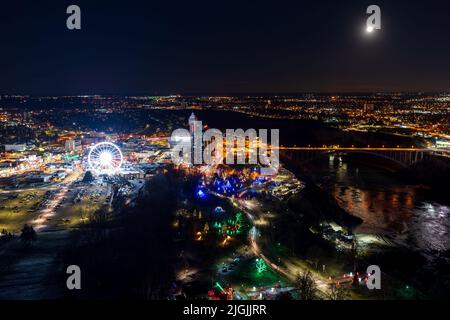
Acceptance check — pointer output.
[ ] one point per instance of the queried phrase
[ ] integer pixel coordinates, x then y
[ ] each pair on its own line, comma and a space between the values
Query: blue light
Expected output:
219, 210
201, 194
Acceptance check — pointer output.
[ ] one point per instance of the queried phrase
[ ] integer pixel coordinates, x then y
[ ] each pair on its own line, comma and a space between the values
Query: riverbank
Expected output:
403, 231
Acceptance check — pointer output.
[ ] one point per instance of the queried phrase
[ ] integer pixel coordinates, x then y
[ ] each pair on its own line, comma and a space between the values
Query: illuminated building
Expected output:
192, 120
73, 144
15, 147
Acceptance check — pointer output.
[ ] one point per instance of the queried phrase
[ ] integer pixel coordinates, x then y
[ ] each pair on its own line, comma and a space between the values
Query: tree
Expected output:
337, 292
99, 217
28, 234
355, 256
84, 212
306, 286
285, 296
260, 265
88, 177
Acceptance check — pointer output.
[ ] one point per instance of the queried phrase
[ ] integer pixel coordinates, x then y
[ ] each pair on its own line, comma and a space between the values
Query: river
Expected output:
387, 206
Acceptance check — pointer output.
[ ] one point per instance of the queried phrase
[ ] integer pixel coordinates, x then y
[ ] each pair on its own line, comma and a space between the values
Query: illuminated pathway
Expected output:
50, 210
292, 269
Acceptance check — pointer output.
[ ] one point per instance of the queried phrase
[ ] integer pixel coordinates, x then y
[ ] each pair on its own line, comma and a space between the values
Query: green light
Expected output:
260, 265
71, 157
220, 287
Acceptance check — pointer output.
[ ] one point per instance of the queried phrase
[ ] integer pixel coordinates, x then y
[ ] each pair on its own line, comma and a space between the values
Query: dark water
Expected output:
387, 205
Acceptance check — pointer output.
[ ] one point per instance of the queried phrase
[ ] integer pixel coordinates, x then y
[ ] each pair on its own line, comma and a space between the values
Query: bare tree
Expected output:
306, 286
355, 256
337, 292
28, 235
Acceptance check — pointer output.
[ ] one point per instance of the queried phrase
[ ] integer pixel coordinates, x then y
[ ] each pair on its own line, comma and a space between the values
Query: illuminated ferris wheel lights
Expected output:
105, 158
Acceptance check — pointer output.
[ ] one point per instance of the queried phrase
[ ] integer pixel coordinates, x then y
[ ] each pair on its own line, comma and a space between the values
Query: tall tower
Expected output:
195, 129
192, 120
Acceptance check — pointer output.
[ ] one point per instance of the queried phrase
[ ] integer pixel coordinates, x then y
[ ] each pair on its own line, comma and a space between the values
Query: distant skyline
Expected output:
239, 94
223, 47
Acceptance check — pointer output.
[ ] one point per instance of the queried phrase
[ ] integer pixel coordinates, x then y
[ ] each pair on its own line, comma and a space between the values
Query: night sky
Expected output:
223, 47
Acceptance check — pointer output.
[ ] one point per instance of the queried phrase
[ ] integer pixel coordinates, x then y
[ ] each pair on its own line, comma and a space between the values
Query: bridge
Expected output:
404, 157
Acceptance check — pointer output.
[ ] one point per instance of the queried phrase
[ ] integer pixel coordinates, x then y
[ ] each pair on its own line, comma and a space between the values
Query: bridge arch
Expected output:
401, 157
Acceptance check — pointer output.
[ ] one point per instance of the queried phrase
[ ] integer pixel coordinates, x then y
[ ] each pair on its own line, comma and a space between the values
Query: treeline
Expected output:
130, 257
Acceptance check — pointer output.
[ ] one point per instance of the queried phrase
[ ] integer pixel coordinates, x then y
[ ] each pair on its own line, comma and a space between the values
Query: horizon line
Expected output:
211, 94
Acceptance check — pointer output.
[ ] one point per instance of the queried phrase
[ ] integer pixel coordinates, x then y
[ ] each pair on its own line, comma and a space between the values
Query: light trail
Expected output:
292, 270
50, 210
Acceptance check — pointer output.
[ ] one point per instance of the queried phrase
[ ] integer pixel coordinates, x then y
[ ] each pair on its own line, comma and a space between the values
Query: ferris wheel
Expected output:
105, 158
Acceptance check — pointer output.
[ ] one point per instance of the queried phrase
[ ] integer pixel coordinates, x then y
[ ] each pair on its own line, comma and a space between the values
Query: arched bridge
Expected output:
405, 157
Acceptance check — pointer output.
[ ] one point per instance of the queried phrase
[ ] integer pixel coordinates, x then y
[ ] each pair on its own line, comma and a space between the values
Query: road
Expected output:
289, 267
